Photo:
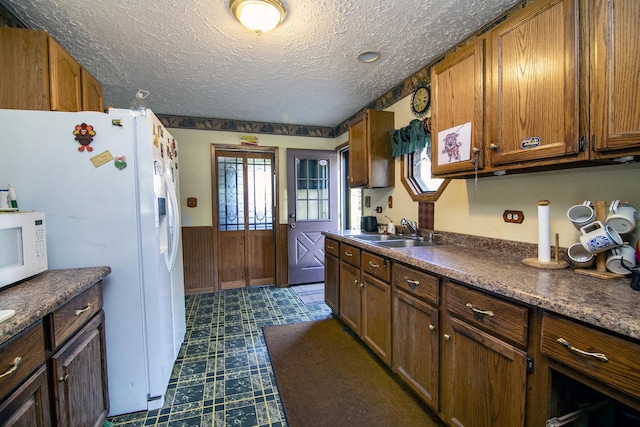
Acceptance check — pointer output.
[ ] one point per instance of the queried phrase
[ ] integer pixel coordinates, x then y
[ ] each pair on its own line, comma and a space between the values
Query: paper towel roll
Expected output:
544, 233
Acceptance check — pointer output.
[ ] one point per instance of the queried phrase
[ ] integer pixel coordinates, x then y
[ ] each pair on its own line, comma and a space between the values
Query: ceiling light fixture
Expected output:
369, 56
259, 16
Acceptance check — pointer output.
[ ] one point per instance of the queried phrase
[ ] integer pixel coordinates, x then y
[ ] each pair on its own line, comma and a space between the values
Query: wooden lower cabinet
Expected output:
28, 406
415, 345
376, 316
79, 369
332, 275
484, 378
350, 297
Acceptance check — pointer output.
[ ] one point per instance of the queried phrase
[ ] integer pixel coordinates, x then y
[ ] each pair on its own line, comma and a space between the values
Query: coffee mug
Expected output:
622, 217
624, 254
597, 237
581, 215
4, 199
580, 257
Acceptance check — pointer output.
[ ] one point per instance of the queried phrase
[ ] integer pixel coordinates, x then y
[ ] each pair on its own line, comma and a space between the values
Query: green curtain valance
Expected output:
409, 138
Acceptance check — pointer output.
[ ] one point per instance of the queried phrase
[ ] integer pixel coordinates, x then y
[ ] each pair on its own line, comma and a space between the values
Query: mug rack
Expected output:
601, 259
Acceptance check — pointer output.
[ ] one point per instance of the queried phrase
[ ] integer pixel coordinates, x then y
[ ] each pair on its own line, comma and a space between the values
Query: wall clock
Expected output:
421, 100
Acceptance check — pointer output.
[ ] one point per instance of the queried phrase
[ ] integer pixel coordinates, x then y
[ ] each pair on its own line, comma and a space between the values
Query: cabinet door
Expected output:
91, 92
28, 406
350, 299
332, 282
615, 80
534, 87
64, 75
376, 316
458, 98
79, 370
415, 345
485, 378
359, 156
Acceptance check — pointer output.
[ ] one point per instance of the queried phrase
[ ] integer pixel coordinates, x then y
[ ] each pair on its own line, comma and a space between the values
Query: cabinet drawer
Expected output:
70, 317
493, 314
350, 254
376, 266
20, 357
331, 247
416, 282
583, 347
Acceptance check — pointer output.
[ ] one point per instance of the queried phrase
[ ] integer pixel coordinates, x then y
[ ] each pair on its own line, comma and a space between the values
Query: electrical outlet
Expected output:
379, 209
515, 217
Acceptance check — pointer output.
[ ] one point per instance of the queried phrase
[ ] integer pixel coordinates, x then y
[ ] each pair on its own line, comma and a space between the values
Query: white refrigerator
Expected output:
108, 186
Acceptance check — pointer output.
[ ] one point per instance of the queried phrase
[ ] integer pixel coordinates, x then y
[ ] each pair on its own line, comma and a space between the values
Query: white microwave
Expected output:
23, 246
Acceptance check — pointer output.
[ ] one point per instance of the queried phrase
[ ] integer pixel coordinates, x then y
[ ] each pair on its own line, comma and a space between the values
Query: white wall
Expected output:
462, 208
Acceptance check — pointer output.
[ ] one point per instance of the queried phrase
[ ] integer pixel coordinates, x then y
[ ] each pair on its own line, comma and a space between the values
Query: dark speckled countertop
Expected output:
33, 299
609, 304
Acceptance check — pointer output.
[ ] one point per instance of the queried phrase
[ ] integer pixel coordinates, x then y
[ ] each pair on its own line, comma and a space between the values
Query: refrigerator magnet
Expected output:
120, 162
84, 135
101, 159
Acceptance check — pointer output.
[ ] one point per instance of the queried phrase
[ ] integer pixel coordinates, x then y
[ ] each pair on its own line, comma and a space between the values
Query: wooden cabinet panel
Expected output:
71, 316
415, 282
376, 266
350, 296
92, 99
332, 282
582, 348
505, 319
485, 378
458, 98
533, 105
79, 370
376, 316
350, 255
64, 77
331, 247
28, 406
415, 345
615, 108
20, 357
370, 161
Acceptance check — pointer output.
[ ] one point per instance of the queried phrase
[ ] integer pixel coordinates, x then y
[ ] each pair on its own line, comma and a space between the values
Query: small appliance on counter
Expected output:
23, 246
368, 223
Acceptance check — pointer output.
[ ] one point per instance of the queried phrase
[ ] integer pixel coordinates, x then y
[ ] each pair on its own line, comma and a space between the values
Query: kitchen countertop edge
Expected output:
609, 304
35, 298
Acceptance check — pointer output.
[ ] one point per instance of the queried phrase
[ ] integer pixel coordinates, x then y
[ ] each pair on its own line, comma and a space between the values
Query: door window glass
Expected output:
231, 193
312, 189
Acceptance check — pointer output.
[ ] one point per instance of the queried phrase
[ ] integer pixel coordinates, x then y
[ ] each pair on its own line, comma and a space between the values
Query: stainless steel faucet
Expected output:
411, 225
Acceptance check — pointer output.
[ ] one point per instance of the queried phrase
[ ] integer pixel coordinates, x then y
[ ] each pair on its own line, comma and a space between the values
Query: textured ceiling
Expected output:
196, 60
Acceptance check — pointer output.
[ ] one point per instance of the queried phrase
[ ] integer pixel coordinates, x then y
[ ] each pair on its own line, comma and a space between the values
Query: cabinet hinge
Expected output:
582, 143
529, 365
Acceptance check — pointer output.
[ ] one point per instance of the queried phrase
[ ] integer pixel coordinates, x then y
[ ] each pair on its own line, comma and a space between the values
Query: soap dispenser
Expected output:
391, 227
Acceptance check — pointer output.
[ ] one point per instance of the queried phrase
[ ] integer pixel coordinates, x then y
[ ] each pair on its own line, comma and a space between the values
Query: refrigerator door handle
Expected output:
174, 225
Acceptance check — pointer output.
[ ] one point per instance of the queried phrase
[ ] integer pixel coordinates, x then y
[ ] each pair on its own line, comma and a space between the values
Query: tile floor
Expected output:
223, 376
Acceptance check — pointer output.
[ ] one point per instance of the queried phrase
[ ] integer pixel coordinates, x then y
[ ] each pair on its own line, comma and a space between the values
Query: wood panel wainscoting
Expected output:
200, 275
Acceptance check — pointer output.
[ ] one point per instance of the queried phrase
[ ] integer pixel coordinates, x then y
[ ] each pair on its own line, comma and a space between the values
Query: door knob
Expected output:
493, 146
292, 225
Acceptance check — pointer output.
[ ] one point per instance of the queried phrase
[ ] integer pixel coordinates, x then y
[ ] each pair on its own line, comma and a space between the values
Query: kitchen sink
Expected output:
405, 243
377, 237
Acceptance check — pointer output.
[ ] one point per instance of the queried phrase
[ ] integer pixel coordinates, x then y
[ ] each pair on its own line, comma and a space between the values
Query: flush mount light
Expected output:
369, 56
259, 16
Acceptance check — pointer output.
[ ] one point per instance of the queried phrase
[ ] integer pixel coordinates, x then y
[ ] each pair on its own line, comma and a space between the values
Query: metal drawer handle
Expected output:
475, 310
348, 254
600, 356
64, 379
411, 282
79, 312
329, 247
16, 363
373, 265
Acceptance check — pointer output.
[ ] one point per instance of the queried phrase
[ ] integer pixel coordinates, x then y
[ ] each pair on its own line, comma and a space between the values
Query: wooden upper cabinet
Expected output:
38, 74
457, 88
64, 74
533, 101
92, 99
370, 161
615, 104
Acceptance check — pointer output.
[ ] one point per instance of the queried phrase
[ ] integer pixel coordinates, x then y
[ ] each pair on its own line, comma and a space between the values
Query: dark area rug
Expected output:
327, 377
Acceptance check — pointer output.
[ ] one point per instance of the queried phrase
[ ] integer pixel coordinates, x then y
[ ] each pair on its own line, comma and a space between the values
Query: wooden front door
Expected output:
312, 182
245, 217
